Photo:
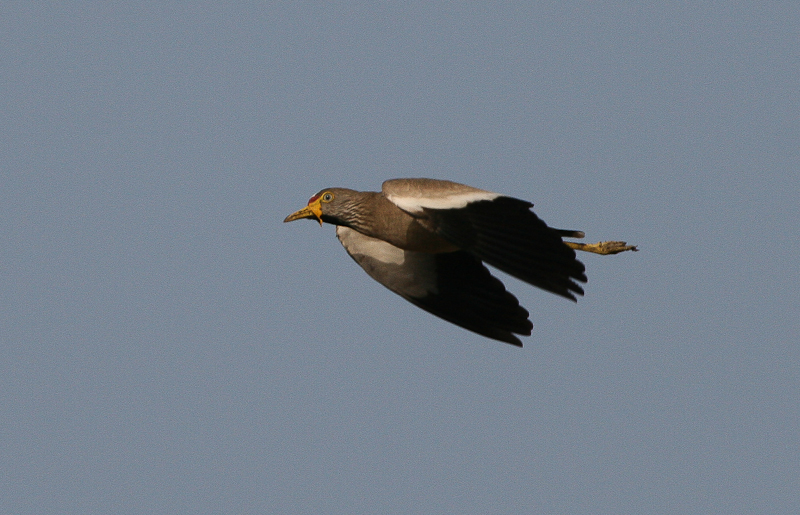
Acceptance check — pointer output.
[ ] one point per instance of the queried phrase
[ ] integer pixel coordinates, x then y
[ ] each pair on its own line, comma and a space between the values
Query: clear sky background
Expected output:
168, 345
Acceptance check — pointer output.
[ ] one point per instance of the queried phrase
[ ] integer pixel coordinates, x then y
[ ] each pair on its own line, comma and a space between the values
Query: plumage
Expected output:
416, 195
427, 240
452, 285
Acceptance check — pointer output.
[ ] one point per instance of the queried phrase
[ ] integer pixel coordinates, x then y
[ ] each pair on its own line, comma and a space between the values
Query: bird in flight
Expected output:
429, 240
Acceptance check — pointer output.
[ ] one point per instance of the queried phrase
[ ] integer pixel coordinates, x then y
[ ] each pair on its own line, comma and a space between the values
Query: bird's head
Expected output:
331, 205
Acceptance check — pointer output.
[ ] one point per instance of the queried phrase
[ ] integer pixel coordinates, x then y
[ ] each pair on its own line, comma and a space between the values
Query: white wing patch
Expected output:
457, 201
404, 272
414, 195
377, 250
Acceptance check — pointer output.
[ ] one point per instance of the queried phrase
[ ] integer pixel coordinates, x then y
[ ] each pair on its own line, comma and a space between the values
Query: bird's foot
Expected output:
602, 247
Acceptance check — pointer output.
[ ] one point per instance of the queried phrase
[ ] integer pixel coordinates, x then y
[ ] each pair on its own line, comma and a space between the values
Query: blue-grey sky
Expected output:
168, 345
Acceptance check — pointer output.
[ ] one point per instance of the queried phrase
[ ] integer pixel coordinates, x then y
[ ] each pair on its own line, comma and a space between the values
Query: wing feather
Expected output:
415, 195
506, 234
454, 286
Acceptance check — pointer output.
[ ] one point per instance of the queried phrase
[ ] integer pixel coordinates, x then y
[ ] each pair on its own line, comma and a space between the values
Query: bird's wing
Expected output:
415, 195
454, 286
500, 230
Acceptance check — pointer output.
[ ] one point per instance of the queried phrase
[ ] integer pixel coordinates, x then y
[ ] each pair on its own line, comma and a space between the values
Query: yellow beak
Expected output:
313, 210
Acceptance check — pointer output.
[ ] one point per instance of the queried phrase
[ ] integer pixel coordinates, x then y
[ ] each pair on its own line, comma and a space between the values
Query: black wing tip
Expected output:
509, 335
502, 336
516, 342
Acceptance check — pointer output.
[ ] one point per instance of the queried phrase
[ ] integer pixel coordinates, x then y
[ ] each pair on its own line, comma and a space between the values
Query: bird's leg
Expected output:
602, 247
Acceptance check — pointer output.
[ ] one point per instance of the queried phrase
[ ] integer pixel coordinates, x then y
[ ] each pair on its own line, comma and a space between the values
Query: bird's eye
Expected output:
327, 197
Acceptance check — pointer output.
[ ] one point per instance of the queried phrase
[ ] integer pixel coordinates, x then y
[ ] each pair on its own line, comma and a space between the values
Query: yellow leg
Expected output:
602, 247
